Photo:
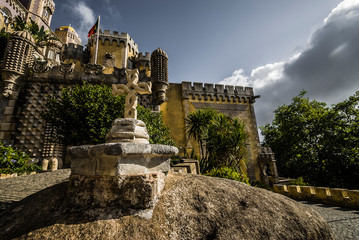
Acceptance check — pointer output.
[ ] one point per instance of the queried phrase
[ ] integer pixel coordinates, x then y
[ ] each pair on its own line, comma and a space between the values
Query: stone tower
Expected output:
159, 75
18, 58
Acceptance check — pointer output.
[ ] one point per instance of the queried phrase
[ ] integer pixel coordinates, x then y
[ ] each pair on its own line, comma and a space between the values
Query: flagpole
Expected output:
98, 37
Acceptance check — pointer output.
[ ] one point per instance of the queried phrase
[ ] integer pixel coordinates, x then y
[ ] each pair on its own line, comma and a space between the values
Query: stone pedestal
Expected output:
129, 173
128, 130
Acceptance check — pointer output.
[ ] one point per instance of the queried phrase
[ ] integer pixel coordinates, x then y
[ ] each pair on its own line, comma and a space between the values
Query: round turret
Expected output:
19, 52
24, 35
159, 66
159, 75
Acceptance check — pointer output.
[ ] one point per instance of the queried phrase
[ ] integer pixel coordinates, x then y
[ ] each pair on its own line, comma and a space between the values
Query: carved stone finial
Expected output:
131, 89
109, 60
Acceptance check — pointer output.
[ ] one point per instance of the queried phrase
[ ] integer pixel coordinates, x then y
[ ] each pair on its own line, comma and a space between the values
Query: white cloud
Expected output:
327, 67
85, 17
237, 78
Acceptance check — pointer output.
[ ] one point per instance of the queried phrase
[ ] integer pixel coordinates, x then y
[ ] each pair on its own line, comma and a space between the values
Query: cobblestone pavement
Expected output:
343, 221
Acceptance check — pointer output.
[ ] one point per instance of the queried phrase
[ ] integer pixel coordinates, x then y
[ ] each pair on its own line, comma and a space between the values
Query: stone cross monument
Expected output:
131, 89
126, 172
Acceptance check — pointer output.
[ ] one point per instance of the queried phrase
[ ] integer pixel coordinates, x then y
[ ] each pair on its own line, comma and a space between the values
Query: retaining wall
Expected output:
332, 196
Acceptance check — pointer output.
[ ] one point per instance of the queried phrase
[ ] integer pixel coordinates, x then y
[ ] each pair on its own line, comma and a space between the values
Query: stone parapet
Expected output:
217, 92
332, 196
65, 73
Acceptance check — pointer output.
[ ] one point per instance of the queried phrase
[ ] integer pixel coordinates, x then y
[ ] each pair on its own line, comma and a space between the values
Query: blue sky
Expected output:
277, 46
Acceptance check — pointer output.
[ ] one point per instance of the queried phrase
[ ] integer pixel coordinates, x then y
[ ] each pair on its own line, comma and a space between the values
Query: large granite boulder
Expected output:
190, 207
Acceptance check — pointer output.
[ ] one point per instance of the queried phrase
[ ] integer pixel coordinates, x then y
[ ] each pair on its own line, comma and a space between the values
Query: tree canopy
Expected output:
317, 142
84, 115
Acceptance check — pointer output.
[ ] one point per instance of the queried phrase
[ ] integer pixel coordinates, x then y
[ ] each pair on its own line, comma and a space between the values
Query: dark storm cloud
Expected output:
328, 68
331, 63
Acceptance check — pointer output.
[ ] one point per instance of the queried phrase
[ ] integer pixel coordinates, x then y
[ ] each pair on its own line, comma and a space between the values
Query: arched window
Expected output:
46, 14
6, 13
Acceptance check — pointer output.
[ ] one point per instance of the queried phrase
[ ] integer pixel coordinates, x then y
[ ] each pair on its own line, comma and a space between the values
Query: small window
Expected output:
51, 55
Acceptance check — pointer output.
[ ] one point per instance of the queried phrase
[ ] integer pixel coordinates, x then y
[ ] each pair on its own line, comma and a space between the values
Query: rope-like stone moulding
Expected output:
131, 89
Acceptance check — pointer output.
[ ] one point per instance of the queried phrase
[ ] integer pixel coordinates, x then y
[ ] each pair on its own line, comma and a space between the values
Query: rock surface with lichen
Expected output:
190, 207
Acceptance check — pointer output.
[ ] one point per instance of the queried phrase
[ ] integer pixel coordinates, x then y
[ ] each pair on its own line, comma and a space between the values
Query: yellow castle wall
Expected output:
177, 108
117, 51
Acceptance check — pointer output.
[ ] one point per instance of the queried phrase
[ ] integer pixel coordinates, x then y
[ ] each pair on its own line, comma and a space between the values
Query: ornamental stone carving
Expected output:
66, 68
93, 69
131, 89
109, 60
42, 66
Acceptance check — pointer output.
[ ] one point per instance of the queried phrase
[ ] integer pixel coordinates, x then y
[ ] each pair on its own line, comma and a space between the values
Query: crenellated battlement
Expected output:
115, 36
217, 91
72, 51
143, 57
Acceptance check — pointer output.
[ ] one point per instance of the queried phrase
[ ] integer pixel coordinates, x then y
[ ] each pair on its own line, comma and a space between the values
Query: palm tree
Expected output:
222, 139
197, 124
19, 24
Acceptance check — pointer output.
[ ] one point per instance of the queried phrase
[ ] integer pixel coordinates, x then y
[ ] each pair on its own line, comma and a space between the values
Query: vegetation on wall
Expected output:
41, 36
221, 139
15, 161
317, 142
84, 115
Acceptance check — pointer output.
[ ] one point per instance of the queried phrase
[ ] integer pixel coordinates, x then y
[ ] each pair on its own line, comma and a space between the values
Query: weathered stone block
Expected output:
124, 192
5, 135
7, 127
9, 110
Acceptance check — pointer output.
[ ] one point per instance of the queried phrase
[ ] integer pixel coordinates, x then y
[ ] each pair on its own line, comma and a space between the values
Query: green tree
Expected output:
84, 115
222, 139
157, 130
316, 142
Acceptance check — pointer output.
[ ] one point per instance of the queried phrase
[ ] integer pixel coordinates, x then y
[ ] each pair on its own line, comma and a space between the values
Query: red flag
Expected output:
93, 29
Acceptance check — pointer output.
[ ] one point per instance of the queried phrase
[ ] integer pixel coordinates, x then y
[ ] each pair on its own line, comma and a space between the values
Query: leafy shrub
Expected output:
15, 161
84, 115
157, 130
298, 181
228, 173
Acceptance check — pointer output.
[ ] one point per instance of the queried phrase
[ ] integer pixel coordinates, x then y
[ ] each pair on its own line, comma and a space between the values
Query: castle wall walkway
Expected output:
343, 221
